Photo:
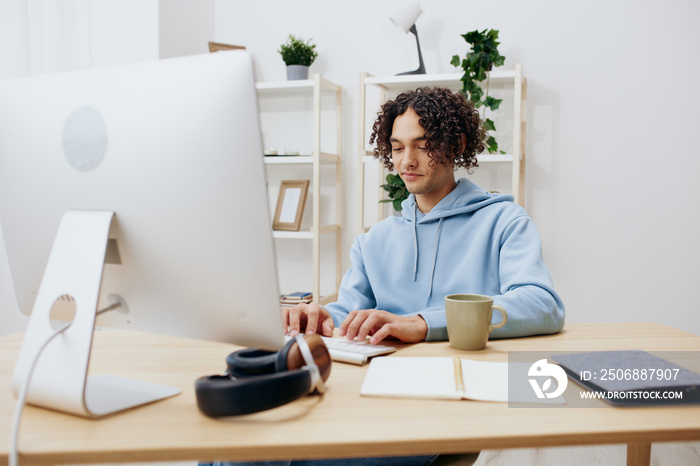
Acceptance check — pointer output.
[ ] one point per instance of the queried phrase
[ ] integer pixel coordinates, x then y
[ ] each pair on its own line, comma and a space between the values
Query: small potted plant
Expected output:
298, 56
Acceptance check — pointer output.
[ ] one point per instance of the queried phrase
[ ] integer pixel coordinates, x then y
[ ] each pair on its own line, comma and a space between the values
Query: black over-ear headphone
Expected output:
257, 380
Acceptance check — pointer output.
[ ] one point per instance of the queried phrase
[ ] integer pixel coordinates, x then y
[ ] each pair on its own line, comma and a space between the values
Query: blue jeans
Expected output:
389, 461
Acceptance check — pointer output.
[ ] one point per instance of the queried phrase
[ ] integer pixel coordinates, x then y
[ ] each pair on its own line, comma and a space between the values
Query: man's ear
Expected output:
463, 144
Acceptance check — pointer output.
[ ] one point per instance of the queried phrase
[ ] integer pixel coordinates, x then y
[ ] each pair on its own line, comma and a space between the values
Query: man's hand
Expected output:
309, 319
382, 324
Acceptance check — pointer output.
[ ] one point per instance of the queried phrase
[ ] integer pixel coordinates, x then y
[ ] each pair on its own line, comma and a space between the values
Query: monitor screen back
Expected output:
173, 147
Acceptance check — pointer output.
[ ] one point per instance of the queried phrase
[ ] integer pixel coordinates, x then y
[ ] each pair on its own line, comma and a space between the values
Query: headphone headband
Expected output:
316, 380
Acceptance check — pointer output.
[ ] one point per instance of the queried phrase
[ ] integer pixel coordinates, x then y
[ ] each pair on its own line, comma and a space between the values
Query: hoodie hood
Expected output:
466, 197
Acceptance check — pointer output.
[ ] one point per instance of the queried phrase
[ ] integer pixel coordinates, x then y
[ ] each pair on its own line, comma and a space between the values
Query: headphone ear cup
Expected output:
251, 361
281, 363
291, 358
219, 396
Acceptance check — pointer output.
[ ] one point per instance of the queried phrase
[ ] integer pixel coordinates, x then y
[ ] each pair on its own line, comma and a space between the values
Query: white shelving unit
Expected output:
382, 87
315, 89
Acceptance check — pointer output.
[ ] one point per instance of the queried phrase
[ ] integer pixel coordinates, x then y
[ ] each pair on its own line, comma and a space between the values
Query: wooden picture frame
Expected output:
218, 47
290, 205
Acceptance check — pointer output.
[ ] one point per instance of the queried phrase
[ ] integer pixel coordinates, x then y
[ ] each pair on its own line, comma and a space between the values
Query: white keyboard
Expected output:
353, 352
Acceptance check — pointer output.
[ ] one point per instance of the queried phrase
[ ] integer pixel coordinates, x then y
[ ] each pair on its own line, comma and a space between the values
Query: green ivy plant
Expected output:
396, 189
482, 57
297, 52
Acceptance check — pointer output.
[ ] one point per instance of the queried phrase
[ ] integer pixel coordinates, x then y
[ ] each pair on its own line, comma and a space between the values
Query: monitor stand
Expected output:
59, 378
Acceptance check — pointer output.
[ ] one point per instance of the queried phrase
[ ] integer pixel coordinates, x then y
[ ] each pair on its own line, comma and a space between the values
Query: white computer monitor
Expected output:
173, 149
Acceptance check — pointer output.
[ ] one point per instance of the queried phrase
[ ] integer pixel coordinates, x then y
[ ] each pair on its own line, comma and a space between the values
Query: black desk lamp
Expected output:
406, 19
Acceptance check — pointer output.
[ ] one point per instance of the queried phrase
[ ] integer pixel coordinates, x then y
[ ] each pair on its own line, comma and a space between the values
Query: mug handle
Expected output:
503, 321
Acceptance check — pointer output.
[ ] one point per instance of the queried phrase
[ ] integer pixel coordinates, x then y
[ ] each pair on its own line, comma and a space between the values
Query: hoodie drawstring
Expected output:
432, 272
415, 243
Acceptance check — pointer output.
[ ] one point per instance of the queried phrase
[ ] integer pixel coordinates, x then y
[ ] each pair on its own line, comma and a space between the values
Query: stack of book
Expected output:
293, 299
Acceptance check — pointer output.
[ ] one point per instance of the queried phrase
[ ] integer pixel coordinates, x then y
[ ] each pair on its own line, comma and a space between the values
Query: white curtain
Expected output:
43, 36
14, 39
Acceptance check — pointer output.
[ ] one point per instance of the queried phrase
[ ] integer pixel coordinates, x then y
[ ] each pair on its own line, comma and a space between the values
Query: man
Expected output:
453, 237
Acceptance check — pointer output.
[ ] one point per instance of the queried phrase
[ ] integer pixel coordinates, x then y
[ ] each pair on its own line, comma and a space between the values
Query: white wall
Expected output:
186, 27
124, 31
612, 114
14, 39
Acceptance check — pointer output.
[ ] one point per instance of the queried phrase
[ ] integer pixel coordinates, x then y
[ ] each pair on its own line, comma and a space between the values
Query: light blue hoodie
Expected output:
472, 241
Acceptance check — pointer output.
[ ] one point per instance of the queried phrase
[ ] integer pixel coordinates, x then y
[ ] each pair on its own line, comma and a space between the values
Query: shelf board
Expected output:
285, 86
452, 80
483, 158
306, 234
297, 86
288, 159
292, 234
299, 159
491, 158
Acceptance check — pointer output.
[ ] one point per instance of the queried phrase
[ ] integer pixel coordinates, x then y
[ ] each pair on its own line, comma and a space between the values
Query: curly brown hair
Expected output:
445, 116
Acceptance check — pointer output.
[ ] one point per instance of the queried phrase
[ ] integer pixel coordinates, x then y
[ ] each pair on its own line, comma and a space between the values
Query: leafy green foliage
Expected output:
481, 58
492, 145
297, 52
396, 189
492, 103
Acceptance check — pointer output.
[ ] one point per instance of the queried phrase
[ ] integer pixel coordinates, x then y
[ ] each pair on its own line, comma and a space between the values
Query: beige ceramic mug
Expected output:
469, 320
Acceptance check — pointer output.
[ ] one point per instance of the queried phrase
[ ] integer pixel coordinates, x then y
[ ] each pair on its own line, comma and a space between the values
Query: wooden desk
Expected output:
341, 424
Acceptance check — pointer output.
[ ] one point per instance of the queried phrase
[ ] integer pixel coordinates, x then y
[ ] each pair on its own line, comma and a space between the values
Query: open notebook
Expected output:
440, 378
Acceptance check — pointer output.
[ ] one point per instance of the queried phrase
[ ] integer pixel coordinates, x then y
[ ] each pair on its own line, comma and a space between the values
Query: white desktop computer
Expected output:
140, 187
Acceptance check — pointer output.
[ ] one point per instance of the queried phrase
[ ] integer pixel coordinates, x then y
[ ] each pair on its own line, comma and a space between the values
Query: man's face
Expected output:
411, 161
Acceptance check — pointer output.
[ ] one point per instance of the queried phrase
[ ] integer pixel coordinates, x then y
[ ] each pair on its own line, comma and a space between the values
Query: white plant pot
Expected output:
297, 72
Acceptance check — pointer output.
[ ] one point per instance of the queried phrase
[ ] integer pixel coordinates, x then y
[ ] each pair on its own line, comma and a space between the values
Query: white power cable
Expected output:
22, 396
21, 399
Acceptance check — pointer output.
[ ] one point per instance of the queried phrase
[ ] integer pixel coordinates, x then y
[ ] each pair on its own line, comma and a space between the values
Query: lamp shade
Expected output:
407, 16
